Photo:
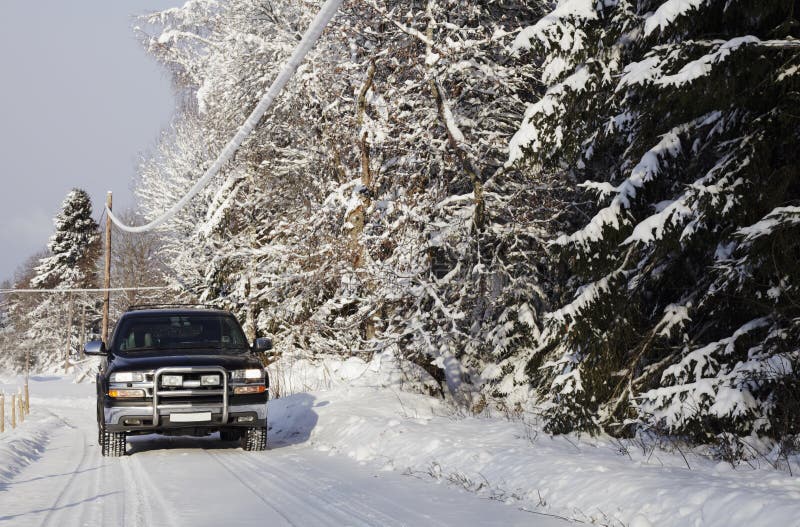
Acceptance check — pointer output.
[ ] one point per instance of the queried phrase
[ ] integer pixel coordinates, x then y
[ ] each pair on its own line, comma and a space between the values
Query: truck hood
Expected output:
165, 358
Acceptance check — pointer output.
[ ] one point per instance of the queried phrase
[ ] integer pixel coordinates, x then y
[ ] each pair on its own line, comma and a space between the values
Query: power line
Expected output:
84, 290
309, 39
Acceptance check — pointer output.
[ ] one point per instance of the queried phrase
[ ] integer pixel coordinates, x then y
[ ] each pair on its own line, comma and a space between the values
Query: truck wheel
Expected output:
228, 434
100, 427
255, 439
113, 443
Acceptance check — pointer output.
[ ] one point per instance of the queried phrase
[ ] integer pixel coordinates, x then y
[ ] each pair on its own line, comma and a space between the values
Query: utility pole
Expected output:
68, 346
27, 378
82, 339
107, 276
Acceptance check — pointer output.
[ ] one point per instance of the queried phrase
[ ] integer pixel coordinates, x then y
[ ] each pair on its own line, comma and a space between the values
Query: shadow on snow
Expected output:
54, 508
290, 421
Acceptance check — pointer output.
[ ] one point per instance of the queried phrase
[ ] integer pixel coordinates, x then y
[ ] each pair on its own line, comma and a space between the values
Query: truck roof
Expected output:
174, 311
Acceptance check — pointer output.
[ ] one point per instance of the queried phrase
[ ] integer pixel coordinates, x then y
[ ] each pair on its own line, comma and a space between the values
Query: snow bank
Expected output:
299, 373
366, 418
22, 445
600, 481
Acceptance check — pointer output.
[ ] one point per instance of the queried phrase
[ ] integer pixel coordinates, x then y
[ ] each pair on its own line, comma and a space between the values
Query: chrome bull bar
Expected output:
189, 369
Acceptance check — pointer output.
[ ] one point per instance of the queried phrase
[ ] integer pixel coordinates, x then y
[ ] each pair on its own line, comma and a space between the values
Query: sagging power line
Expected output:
310, 38
84, 290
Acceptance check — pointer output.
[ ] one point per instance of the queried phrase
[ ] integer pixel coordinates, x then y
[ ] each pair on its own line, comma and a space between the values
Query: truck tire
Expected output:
255, 439
230, 434
113, 443
100, 427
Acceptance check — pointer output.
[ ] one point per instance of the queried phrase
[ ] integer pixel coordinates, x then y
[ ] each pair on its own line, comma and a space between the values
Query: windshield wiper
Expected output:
144, 348
206, 345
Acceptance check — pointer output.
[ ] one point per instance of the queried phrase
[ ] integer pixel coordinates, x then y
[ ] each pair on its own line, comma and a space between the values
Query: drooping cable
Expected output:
83, 290
310, 38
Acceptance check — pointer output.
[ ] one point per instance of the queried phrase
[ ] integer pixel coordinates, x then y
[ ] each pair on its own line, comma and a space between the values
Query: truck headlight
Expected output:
125, 394
172, 380
127, 376
251, 375
209, 380
256, 388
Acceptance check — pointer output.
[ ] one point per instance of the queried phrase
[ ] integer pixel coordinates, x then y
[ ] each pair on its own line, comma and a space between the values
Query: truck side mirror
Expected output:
261, 345
95, 347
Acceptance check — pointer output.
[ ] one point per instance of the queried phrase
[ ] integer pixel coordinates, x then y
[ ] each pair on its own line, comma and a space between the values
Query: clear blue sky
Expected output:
79, 102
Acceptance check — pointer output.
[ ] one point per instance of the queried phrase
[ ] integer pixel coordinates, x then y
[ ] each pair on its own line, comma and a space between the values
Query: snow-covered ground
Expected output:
51, 473
359, 452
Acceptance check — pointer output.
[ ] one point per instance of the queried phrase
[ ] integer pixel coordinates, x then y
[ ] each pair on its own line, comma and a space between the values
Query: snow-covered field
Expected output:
359, 452
51, 473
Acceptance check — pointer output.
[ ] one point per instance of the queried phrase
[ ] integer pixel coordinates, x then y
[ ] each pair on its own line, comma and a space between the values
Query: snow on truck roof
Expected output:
173, 309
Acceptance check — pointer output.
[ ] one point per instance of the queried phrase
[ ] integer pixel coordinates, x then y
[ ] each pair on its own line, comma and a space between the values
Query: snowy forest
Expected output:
586, 207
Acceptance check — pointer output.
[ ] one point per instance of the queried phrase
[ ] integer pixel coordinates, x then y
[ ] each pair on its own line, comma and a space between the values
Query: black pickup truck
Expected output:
180, 372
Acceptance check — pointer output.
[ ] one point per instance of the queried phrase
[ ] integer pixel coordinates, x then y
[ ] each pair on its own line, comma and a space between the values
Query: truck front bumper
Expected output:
188, 406
142, 418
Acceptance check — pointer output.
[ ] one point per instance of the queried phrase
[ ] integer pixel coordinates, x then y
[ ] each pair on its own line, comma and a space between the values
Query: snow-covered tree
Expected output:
70, 263
16, 308
678, 118
73, 247
370, 209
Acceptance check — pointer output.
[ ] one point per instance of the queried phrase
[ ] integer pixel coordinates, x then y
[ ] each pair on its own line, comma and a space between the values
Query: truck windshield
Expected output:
186, 332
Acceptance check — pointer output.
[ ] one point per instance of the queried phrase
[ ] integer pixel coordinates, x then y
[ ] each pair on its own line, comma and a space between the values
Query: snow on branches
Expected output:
370, 209
680, 127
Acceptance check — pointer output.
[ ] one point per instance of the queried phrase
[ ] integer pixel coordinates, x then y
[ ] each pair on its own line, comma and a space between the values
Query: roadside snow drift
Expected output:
600, 481
358, 435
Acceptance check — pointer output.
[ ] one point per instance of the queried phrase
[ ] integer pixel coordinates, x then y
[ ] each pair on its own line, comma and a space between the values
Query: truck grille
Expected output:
191, 384
176, 388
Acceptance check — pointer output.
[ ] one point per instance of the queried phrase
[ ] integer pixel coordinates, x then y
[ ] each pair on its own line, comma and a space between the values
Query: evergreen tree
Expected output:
679, 117
70, 264
73, 247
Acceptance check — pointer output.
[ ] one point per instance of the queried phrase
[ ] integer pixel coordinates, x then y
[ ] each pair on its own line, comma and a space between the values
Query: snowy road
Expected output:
188, 481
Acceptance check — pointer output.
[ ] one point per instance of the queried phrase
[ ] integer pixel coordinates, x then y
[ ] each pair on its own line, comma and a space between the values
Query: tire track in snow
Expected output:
132, 506
57, 506
216, 458
88, 494
142, 495
336, 499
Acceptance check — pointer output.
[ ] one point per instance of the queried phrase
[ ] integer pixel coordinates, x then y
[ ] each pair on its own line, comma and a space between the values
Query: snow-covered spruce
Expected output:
678, 117
39, 321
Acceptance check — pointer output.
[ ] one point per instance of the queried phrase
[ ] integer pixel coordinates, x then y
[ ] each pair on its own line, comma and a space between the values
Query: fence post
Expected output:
20, 406
13, 411
27, 378
2, 412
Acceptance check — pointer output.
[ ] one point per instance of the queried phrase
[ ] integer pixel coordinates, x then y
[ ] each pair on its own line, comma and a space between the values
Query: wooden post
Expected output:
82, 339
13, 411
2, 412
20, 410
68, 346
27, 378
107, 276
